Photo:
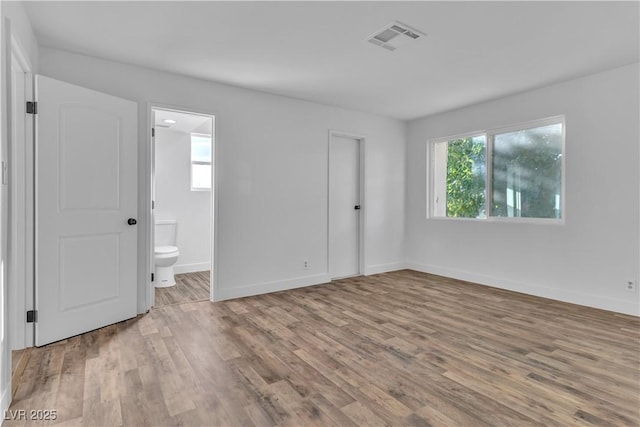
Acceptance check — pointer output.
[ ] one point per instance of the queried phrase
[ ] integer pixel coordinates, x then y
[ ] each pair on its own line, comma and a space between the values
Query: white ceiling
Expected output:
184, 122
474, 51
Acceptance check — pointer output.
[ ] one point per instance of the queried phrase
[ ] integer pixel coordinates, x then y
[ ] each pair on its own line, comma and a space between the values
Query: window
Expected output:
514, 172
200, 162
526, 173
460, 177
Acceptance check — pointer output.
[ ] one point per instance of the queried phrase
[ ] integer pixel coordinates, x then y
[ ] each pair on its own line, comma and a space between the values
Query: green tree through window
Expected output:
527, 173
510, 172
466, 166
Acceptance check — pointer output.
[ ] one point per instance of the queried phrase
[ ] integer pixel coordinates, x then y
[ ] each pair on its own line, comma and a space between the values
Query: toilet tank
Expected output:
165, 234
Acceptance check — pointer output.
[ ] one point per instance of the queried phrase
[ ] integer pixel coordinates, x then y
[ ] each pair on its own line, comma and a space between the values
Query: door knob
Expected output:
356, 207
132, 221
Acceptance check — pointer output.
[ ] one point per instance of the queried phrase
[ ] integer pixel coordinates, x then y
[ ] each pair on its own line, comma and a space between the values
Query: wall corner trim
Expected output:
384, 268
268, 287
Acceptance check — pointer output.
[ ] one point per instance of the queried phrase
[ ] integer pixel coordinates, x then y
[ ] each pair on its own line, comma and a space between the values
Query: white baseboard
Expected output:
384, 268
191, 268
267, 287
611, 304
589, 300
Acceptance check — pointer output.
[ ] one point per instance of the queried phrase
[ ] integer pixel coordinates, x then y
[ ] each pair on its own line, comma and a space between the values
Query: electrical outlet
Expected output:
305, 264
631, 285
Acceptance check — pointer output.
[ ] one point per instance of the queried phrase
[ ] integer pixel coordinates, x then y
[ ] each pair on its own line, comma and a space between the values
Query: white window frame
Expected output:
431, 158
489, 138
197, 162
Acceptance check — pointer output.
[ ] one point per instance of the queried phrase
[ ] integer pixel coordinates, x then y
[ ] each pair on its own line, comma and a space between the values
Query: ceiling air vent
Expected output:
395, 35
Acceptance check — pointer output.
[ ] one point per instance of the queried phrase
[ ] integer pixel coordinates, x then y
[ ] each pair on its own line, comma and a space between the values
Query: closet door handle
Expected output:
132, 221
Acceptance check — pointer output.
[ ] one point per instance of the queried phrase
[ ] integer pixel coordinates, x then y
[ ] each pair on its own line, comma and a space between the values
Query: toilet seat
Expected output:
165, 250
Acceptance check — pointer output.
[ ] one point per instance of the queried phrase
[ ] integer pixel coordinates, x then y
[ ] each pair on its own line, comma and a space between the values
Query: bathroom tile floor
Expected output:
189, 287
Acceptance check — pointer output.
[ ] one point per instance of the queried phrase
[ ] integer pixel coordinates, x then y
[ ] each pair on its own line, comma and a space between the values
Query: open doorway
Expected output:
182, 194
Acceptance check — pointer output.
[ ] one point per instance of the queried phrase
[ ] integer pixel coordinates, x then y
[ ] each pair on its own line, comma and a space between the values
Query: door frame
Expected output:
361, 192
21, 266
213, 238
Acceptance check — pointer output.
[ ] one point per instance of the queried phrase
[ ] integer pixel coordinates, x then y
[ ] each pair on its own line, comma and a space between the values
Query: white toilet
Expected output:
166, 253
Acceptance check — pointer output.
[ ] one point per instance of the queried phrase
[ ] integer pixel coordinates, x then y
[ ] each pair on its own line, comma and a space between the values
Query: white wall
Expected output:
175, 200
588, 259
15, 25
5, 349
21, 30
271, 162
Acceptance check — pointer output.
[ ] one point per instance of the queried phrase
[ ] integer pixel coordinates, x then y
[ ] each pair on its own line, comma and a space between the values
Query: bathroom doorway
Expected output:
182, 206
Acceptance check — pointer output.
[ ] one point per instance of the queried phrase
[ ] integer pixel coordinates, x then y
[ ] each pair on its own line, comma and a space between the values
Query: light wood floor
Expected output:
189, 287
19, 360
401, 348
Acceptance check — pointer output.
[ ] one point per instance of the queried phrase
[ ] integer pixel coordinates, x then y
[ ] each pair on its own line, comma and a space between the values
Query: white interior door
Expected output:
86, 192
344, 203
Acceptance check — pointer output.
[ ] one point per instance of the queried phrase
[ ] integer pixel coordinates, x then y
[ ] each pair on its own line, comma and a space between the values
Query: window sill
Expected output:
503, 220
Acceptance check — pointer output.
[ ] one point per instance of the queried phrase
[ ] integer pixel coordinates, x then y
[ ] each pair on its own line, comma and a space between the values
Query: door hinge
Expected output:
153, 204
32, 107
153, 132
152, 277
32, 316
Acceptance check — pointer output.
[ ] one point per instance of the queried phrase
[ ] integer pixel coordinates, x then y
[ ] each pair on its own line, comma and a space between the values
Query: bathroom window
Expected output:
200, 162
